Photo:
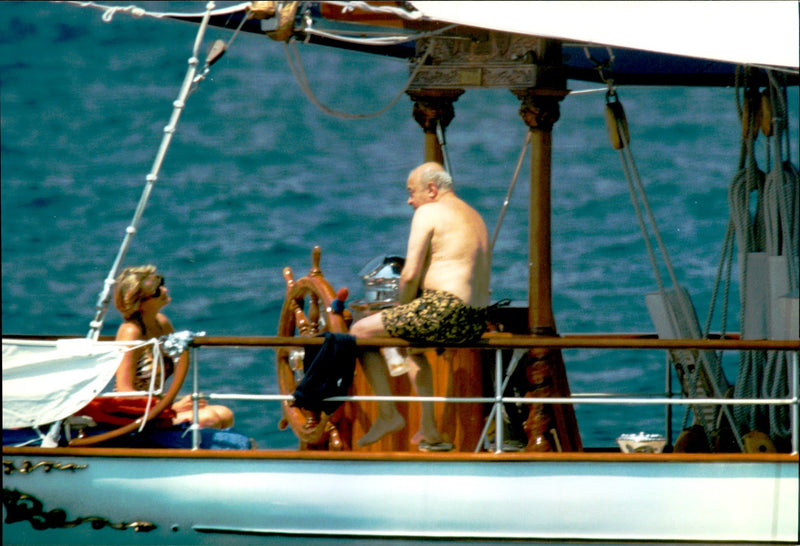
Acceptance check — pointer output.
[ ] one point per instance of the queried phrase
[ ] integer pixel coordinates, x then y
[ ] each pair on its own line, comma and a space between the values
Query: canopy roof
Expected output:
638, 42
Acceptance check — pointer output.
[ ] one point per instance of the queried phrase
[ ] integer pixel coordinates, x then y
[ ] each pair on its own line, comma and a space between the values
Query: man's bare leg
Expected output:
423, 380
389, 419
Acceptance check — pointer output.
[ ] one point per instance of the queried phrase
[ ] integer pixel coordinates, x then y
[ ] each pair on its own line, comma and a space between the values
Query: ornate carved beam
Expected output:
477, 59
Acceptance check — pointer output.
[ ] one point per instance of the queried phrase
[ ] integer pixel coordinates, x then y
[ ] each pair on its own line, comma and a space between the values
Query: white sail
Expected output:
752, 33
45, 381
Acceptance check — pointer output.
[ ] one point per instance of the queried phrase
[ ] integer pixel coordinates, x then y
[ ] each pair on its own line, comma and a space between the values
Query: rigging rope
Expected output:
110, 11
189, 84
442, 143
296, 65
373, 40
724, 268
747, 218
525, 145
709, 362
158, 361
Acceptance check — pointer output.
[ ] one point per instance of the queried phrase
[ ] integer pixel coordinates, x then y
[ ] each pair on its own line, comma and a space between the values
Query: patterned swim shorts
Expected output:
435, 317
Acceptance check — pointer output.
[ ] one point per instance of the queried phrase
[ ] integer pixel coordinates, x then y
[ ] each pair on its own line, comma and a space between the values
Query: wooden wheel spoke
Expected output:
302, 324
307, 312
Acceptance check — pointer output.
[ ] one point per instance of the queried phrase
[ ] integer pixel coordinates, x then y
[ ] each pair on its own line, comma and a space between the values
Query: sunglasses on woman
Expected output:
157, 292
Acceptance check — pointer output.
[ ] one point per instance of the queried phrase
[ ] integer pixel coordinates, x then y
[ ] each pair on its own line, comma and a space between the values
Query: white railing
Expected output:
502, 378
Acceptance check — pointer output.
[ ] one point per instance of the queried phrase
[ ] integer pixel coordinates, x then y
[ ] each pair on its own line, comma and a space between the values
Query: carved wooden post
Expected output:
434, 107
540, 111
549, 427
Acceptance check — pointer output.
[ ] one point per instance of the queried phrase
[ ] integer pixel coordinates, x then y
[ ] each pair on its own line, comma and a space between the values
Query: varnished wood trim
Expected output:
398, 456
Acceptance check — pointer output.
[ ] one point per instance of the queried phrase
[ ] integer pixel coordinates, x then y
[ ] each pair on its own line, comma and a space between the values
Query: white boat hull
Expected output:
272, 498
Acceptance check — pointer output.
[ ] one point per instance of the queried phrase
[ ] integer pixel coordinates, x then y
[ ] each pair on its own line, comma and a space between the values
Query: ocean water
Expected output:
257, 175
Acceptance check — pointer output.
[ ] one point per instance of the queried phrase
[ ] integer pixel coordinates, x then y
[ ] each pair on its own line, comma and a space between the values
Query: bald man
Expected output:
443, 295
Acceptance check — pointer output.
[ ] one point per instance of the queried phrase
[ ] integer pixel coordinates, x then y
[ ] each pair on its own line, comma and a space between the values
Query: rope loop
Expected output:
110, 11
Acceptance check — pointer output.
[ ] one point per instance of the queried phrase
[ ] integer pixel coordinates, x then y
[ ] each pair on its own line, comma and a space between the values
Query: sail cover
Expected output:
45, 381
761, 33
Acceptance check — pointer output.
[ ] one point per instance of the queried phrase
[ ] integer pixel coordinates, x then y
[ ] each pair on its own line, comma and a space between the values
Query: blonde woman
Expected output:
140, 295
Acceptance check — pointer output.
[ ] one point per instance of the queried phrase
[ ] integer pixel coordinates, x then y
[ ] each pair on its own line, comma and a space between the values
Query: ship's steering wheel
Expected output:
307, 312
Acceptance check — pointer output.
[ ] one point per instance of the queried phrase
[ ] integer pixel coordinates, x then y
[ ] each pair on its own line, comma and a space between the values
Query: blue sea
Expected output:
257, 175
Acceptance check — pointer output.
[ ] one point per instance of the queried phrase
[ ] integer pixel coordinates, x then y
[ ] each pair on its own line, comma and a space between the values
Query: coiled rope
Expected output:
768, 228
748, 226
781, 241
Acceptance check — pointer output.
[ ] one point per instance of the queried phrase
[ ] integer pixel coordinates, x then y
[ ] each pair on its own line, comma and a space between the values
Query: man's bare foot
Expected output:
381, 428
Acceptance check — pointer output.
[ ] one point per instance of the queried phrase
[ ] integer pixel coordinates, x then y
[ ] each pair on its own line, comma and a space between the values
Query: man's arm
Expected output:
417, 255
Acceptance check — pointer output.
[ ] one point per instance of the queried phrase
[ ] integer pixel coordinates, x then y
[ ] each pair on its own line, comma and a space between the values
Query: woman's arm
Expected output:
166, 325
126, 373
185, 403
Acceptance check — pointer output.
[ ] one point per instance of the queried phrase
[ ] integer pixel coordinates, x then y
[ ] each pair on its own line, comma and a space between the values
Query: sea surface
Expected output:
256, 175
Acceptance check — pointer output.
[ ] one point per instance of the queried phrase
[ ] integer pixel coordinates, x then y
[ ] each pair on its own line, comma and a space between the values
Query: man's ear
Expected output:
433, 191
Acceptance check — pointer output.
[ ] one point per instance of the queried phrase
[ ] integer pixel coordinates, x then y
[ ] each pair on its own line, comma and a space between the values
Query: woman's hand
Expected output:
185, 404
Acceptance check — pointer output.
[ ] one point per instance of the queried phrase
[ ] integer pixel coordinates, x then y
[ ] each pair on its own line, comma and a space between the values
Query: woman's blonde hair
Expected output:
135, 284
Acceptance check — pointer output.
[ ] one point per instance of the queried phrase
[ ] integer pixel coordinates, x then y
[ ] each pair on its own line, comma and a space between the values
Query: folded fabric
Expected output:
125, 409
328, 371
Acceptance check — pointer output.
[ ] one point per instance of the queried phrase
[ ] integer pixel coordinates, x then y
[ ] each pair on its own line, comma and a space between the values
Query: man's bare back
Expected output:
448, 248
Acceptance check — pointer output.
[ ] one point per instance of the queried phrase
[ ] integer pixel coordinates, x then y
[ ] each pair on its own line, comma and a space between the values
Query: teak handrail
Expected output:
500, 341
513, 341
